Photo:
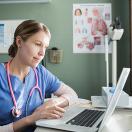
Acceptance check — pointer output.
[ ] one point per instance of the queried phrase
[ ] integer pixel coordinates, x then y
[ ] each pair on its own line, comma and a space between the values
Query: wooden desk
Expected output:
120, 121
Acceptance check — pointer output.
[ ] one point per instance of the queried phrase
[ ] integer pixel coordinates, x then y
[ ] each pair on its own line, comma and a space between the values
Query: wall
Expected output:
83, 72
123, 46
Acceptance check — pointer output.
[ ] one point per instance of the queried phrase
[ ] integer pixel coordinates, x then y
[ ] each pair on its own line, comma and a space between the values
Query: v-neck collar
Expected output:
16, 77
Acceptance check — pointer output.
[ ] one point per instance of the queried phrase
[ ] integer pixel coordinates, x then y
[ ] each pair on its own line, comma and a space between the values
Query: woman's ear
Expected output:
18, 41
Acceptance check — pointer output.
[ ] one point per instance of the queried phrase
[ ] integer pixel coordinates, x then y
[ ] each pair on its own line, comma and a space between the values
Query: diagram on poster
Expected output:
7, 29
90, 25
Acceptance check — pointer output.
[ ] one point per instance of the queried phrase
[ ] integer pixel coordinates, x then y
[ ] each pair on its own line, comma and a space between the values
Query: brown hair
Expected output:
25, 30
79, 11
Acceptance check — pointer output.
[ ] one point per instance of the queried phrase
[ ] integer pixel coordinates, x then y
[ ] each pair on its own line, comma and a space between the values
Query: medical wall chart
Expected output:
90, 25
7, 29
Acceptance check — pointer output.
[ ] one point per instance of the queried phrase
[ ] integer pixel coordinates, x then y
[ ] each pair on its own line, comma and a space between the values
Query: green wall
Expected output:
121, 9
83, 72
124, 45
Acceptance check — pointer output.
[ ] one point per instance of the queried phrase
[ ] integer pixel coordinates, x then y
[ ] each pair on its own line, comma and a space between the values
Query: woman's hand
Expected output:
49, 110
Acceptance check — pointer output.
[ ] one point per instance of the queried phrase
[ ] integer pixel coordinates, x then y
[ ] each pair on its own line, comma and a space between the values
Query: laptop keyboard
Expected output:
86, 118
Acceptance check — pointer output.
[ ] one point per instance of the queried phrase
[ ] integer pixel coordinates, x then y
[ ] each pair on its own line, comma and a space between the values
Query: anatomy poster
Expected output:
90, 25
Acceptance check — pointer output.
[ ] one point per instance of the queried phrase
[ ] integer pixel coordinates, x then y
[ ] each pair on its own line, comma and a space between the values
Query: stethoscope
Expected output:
16, 112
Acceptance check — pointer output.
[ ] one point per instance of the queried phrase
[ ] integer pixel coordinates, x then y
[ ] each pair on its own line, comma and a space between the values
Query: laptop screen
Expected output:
114, 100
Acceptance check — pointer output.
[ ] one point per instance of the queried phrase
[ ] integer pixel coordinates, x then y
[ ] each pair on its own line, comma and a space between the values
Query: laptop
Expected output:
78, 119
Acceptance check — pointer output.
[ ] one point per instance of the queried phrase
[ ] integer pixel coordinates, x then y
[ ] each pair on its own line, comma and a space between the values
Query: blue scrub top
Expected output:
47, 82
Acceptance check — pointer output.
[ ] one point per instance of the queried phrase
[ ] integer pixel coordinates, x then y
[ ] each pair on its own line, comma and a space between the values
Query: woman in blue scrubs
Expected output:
24, 82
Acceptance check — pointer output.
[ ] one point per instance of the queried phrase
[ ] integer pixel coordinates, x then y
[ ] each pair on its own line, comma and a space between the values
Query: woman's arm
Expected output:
46, 111
66, 96
51, 109
19, 125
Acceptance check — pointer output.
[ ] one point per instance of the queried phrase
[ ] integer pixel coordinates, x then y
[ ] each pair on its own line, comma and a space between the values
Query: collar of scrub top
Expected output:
16, 112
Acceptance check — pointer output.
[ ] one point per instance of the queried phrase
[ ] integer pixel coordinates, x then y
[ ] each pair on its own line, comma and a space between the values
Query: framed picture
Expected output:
7, 29
90, 25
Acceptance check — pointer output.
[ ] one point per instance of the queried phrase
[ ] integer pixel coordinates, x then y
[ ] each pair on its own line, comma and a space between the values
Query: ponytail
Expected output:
12, 50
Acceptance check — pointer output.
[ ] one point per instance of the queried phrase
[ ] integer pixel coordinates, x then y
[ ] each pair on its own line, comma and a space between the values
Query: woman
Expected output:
24, 83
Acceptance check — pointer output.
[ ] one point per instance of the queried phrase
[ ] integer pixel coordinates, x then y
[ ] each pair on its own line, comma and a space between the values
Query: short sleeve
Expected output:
52, 82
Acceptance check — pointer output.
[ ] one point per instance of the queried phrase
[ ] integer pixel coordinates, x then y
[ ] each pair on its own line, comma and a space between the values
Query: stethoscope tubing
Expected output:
36, 86
30, 93
10, 86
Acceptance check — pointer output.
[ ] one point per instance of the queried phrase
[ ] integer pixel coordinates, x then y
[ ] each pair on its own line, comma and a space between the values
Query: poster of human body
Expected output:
90, 25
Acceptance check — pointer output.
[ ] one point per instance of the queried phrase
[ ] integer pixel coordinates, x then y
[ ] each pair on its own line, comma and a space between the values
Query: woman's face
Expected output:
32, 51
78, 12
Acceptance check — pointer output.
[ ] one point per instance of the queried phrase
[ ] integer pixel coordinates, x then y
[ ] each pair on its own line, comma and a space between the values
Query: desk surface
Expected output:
119, 122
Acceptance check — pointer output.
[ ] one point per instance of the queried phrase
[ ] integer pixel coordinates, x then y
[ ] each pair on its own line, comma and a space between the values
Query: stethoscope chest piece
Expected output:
16, 112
